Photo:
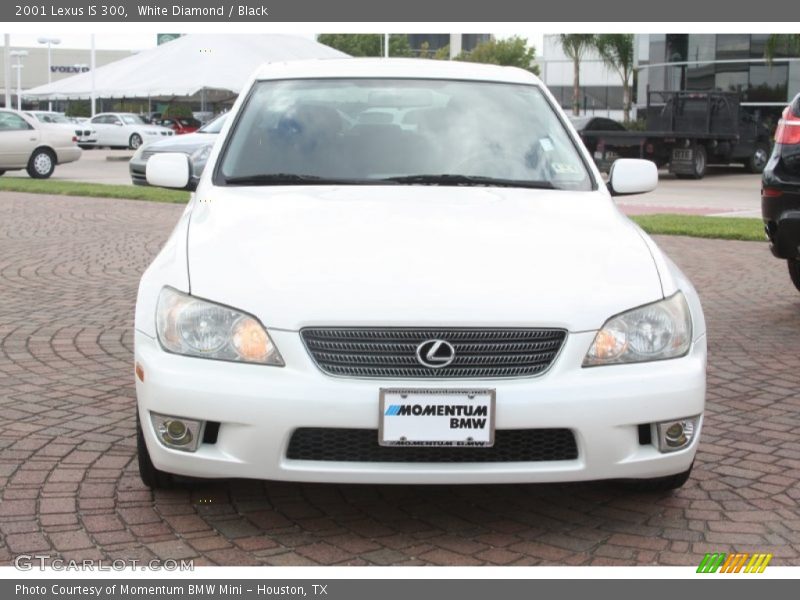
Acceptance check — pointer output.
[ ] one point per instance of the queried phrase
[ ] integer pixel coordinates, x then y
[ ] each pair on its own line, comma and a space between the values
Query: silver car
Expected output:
196, 145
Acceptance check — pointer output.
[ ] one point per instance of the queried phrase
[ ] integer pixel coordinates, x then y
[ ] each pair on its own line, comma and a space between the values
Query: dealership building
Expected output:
699, 62
64, 62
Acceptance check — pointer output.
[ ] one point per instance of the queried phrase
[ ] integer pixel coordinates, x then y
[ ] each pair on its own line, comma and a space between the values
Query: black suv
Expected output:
780, 193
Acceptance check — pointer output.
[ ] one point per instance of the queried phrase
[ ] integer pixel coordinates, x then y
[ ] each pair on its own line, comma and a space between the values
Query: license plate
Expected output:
457, 418
681, 154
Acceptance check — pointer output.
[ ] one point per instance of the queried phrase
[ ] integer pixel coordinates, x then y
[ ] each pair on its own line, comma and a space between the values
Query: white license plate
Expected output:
457, 418
681, 154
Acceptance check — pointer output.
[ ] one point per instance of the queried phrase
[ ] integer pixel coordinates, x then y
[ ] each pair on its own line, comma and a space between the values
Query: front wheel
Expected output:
758, 160
135, 141
794, 271
41, 164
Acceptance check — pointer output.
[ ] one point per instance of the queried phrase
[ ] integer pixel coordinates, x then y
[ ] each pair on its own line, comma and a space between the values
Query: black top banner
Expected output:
445, 11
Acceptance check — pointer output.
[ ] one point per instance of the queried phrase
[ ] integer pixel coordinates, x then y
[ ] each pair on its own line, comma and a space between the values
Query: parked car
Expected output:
780, 193
86, 135
197, 146
26, 143
126, 130
455, 302
181, 125
603, 149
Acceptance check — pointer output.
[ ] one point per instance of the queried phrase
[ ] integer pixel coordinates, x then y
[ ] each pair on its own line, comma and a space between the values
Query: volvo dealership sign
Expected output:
71, 69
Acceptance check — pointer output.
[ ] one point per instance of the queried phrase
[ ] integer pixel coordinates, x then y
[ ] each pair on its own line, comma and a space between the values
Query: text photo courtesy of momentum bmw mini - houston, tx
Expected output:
513, 297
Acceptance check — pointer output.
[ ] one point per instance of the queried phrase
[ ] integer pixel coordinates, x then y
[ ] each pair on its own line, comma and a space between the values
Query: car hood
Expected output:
418, 255
186, 143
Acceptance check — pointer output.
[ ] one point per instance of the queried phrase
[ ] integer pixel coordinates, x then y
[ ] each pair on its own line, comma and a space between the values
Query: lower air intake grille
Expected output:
361, 445
391, 353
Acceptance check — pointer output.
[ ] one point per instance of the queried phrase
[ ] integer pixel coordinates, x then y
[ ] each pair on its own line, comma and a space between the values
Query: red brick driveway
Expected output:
69, 487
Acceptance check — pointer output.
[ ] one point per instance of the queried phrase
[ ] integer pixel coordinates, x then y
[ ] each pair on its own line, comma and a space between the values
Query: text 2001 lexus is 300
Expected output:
398, 271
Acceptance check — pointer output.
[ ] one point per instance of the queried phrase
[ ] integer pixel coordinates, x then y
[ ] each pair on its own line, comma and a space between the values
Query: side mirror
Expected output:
632, 176
169, 170
118, 123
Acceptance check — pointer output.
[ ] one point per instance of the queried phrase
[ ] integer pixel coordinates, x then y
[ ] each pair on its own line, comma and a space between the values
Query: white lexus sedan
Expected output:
446, 294
126, 130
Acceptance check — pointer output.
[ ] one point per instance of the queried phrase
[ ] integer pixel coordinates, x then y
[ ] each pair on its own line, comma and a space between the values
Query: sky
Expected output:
142, 41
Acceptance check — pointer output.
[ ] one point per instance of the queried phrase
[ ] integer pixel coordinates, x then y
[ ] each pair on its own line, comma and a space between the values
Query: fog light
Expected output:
176, 432
676, 435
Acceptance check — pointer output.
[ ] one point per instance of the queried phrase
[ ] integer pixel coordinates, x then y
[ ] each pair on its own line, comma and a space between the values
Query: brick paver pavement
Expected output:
68, 274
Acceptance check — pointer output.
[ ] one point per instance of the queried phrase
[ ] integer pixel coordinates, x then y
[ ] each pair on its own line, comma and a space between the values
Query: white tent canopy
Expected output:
185, 66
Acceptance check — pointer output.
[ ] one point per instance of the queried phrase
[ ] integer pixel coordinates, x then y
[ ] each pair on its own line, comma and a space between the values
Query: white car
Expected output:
126, 130
25, 143
86, 135
454, 300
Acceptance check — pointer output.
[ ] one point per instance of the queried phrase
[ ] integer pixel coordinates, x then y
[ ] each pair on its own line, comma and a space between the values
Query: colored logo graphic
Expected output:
734, 563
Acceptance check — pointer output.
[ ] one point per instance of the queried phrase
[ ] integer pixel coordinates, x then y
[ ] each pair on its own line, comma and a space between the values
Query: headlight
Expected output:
201, 154
653, 332
194, 327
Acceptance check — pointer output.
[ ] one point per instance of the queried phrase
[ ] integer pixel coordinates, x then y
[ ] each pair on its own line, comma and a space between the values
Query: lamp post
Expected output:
50, 41
19, 55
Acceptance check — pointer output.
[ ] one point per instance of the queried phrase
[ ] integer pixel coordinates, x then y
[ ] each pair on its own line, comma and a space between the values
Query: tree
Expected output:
575, 45
510, 52
366, 44
782, 43
616, 51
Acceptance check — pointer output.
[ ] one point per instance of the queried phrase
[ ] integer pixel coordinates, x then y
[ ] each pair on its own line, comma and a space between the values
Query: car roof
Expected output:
393, 67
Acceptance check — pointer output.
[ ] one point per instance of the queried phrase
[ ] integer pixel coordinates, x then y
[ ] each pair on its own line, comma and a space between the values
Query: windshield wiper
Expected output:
476, 180
288, 179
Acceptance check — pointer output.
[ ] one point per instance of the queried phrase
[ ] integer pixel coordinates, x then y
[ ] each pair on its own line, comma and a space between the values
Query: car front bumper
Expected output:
260, 407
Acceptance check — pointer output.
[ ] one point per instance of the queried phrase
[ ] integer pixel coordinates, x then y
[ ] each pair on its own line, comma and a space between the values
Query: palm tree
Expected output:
616, 51
786, 42
575, 46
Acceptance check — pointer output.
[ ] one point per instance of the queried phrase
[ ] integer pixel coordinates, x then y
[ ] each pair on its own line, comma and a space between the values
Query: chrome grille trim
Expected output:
390, 353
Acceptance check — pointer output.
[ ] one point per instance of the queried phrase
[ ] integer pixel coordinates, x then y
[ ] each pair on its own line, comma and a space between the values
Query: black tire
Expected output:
41, 164
794, 271
758, 160
657, 484
2, 173
150, 475
135, 141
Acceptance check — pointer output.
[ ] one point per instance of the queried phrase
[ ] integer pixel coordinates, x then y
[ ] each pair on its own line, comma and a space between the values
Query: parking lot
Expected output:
729, 191
70, 488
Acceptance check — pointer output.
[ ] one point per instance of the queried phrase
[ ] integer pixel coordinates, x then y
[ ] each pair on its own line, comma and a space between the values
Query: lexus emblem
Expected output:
435, 354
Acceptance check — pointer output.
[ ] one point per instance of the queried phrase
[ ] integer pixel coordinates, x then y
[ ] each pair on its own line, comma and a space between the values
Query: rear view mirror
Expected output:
169, 170
632, 176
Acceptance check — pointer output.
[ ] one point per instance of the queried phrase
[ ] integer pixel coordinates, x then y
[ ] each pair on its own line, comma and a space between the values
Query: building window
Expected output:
733, 46
768, 83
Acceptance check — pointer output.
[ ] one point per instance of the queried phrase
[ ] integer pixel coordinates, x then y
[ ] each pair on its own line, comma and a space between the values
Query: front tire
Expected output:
657, 484
758, 160
794, 271
41, 164
135, 141
151, 476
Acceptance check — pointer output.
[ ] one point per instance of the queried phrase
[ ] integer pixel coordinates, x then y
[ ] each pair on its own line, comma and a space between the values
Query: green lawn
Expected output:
663, 224
93, 190
724, 228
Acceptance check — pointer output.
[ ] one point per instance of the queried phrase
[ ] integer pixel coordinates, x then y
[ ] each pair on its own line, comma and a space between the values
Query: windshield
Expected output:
132, 120
214, 126
51, 118
424, 131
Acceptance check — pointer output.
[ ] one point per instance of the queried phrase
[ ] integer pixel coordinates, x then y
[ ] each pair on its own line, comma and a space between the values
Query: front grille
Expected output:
361, 445
392, 352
